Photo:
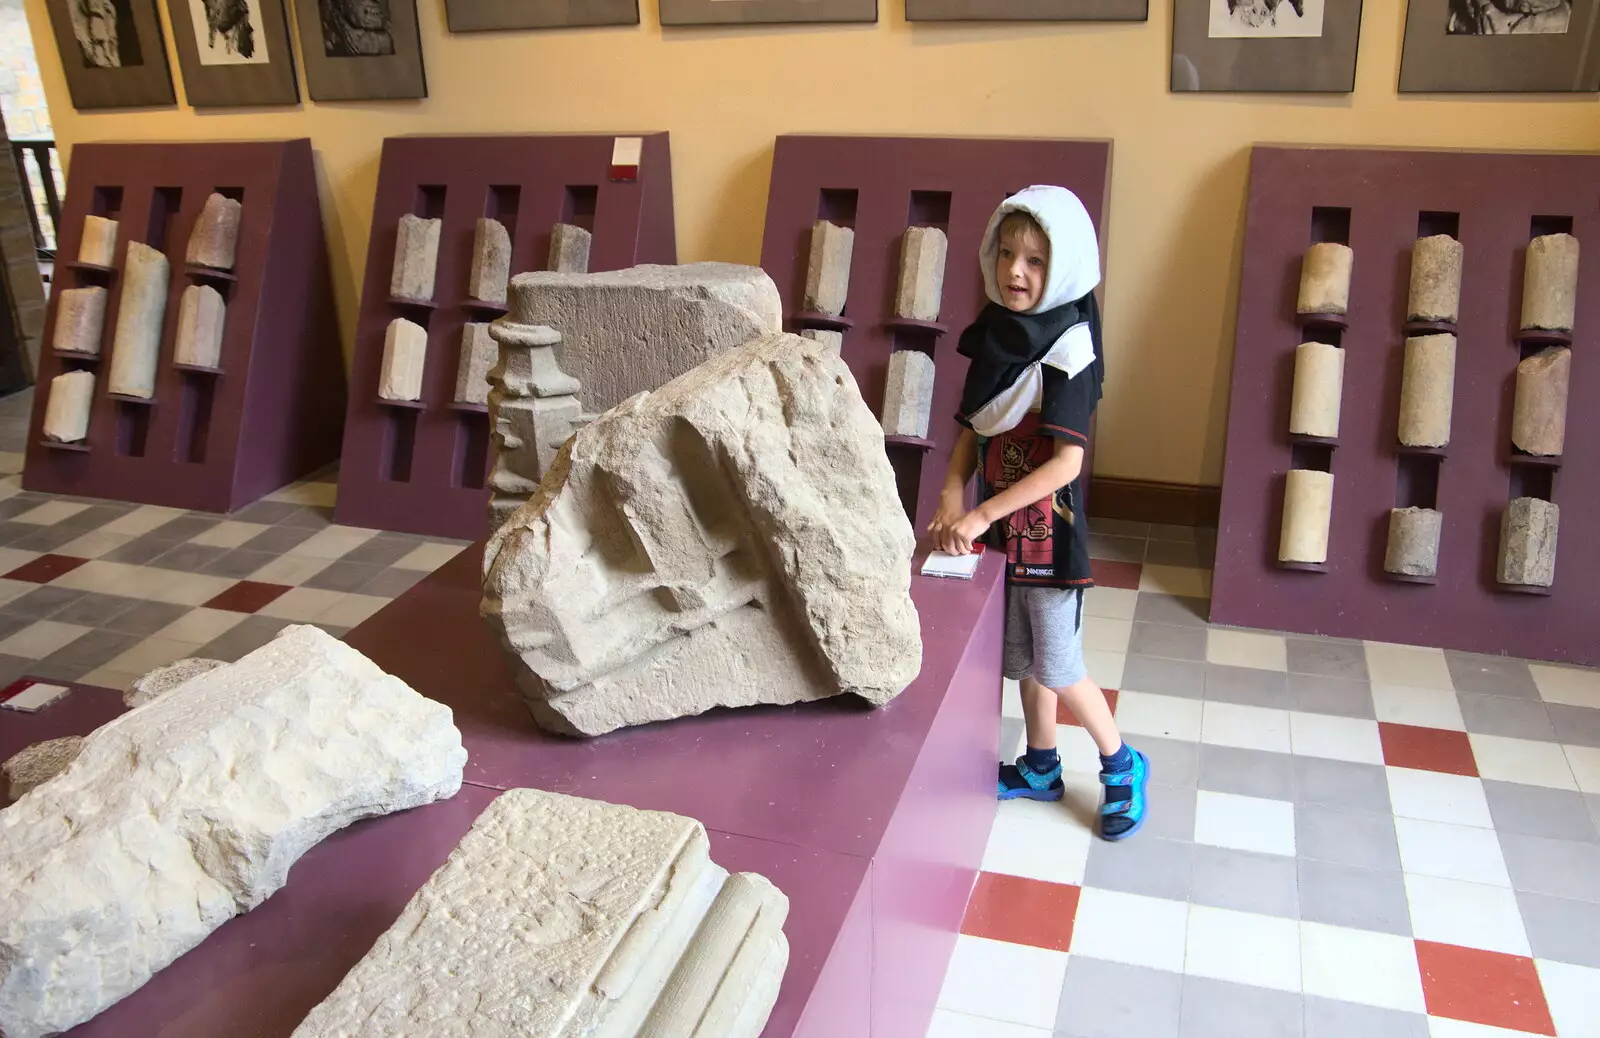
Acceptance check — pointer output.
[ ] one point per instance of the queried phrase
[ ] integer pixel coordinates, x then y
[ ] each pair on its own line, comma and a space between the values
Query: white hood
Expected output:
1074, 251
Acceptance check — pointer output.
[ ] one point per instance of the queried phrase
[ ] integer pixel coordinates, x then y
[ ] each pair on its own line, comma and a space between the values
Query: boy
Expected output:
1033, 382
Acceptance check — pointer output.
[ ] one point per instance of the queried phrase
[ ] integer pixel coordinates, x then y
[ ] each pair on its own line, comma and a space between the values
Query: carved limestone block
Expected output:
80, 320
921, 286
1427, 390
1550, 283
569, 249
99, 242
491, 262
1539, 417
416, 257
201, 313
1307, 513
214, 242
66, 415
1318, 384
1528, 542
1325, 279
828, 272
1435, 279
136, 347
834, 341
908, 394
1413, 548
479, 353
405, 354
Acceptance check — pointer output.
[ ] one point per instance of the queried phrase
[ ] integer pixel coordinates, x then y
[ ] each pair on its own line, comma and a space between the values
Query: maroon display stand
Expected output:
272, 410
880, 186
1379, 202
873, 822
421, 466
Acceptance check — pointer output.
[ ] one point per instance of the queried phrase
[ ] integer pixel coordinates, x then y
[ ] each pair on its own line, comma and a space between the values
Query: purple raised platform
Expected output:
1380, 202
873, 822
423, 470
880, 186
204, 442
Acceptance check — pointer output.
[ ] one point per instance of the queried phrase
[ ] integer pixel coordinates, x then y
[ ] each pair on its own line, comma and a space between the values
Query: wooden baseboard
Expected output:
1146, 501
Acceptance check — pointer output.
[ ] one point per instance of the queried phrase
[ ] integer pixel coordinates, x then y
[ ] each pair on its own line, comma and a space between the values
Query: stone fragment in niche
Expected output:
569, 249
66, 414
1307, 513
1325, 279
1413, 546
98, 246
479, 353
214, 242
1435, 279
491, 262
80, 320
1539, 414
921, 286
908, 394
416, 258
405, 352
136, 346
1528, 542
1550, 283
1318, 386
1427, 390
201, 314
828, 270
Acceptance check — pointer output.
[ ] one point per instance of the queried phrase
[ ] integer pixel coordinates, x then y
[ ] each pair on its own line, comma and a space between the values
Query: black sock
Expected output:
1042, 761
1120, 761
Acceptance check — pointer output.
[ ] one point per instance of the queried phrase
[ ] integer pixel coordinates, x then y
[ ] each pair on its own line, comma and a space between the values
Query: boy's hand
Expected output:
951, 509
959, 535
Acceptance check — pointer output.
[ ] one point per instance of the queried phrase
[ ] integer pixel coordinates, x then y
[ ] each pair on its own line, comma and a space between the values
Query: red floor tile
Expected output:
1483, 987
1064, 716
1022, 911
45, 568
1115, 574
1427, 749
247, 596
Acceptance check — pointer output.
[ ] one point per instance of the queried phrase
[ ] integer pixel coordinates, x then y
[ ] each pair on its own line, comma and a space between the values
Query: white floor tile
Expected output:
230, 533
1437, 797
1336, 738
190, 589
141, 520
1244, 823
149, 654
1407, 665
41, 638
1037, 841
200, 625
1247, 727
1247, 649
1078, 751
108, 677
1421, 707
290, 569
49, 513
1259, 950
11, 462
333, 542
11, 590
1585, 762
1102, 634
431, 556
11, 558
1105, 667
1131, 928
108, 578
1443, 1027
1002, 981
1460, 852
1112, 603
304, 604
1470, 915
1374, 969
1522, 760
1168, 717
1570, 686
1573, 993
1176, 580
947, 1024
92, 545
352, 609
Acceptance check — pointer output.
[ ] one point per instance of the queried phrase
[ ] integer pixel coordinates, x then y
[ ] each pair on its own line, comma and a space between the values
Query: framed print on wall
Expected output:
1265, 46
479, 15
748, 12
1509, 46
234, 52
361, 50
112, 53
1027, 10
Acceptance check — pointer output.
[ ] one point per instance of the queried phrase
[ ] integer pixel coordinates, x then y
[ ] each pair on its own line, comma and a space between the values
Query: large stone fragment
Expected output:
201, 313
405, 351
1307, 513
557, 917
137, 344
1550, 283
828, 272
214, 242
1539, 419
491, 262
416, 257
66, 415
99, 242
179, 815
921, 286
1325, 279
38, 764
479, 352
162, 680
908, 394
1318, 384
1435, 279
569, 249
1528, 542
833, 340
1427, 390
1413, 548
733, 538
80, 320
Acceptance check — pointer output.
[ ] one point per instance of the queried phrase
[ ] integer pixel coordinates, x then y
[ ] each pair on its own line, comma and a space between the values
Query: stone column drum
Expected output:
1539, 419
569, 249
1325, 279
416, 257
99, 242
921, 286
908, 394
137, 344
828, 272
1528, 542
1413, 549
1318, 383
1550, 283
1435, 279
1427, 390
1307, 513
66, 416
491, 262
201, 314
80, 320
479, 352
405, 352
214, 242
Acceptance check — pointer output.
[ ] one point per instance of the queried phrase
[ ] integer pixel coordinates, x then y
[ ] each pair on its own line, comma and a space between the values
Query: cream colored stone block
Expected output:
828, 271
99, 242
1325, 279
1307, 513
201, 315
1318, 385
479, 353
416, 257
80, 320
1550, 283
66, 414
405, 353
214, 242
491, 262
1427, 391
921, 286
137, 345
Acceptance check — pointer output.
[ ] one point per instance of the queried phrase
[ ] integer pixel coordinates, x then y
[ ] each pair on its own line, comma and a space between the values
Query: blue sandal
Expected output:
1130, 808
1019, 781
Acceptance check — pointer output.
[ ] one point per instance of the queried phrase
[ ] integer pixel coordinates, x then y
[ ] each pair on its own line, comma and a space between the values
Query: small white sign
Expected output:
35, 697
625, 151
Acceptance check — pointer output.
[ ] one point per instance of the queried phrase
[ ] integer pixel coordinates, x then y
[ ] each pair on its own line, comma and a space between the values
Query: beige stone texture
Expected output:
908, 394
1528, 542
834, 341
569, 249
1325, 279
66, 414
557, 917
80, 320
1435, 279
162, 680
31, 768
1427, 390
136, 347
921, 285
1413, 548
1318, 385
99, 242
735, 537
179, 815
491, 262
201, 316
214, 242
1550, 283
479, 353
828, 272
405, 353
416, 257
1307, 512
1539, 416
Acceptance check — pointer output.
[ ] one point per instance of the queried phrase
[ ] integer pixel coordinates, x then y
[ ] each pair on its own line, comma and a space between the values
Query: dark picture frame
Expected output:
489, 15
270, 81
1027, 10
768, 12
112, 52
1325, 64
1434, 60
361, 50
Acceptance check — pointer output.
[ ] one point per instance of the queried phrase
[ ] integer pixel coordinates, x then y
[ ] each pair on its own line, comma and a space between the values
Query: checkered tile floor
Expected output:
1347, 840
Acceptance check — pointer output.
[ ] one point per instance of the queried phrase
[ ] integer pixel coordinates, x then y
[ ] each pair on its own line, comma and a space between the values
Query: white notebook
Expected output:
958, 567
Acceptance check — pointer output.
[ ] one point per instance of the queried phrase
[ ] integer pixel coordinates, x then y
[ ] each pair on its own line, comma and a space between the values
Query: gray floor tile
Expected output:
1168, 641
310, 517
1344, 895
10, 625
238, 563
1176, 553
189, 558
1326, 1018
1116, 549
16, 504
278, 540
1337, 783
1577, 725
267, 512
1171, 609
342, 576
1561, 929
1219, 1009
1501, 715
1247, 686
1251, 773
96, 648
1120, 527
42, 603
54, 668
1560, 868
95, 610
245, 637
1266, 884
95, 516
1110, 1000
1593, 800
1178, 534
1142, 865
1491, 675
1171, 813
1360, 838
11, 532
12, 668
45, 538
1184, 678
184, 527
1558, 814
1319, 694
141, 550
391, 583
383, 550
146, 618
1328, 659
1173, 762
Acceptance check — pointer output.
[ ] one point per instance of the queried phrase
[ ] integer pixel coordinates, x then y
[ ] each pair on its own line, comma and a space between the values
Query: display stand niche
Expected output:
1450, 503
878, 187
213, 437
420, 465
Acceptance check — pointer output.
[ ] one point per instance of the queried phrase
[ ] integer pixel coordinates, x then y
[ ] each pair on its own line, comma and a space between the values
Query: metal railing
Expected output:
43, 153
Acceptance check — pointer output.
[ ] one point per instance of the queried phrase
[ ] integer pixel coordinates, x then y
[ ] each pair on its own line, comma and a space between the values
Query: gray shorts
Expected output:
1044, 638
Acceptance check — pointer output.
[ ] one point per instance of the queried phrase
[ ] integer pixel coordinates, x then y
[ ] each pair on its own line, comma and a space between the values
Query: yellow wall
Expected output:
1179, 162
